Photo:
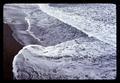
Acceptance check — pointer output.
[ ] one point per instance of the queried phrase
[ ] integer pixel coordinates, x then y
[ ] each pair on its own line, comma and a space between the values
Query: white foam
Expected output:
80, 22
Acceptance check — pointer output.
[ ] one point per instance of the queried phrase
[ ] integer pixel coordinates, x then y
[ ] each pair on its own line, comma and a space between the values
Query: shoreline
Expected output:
10, 48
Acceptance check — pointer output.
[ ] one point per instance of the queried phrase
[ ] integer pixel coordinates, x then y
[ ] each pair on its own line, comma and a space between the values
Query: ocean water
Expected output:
77, 41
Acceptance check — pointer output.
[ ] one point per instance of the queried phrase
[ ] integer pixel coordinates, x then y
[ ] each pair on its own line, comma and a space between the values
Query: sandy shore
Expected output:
11, 48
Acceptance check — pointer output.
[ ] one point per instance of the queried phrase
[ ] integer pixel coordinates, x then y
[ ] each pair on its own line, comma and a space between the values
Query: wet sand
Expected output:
11, 48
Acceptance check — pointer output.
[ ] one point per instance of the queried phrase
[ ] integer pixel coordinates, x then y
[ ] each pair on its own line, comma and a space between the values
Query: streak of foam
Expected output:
28, 30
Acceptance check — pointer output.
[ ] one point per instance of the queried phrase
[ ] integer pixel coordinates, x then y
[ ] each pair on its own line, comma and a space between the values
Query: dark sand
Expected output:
11, 48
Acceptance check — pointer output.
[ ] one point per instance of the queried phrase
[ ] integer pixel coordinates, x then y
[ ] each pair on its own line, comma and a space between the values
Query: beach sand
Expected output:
11, 47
